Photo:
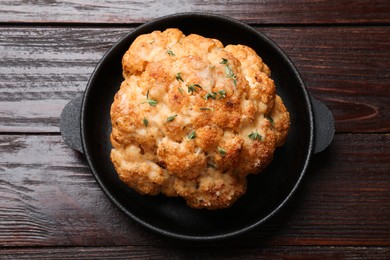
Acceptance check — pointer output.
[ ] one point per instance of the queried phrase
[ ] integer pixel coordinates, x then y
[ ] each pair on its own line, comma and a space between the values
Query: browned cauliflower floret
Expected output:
193, 118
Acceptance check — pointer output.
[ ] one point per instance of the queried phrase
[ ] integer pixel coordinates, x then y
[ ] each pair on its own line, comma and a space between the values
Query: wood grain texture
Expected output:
347, 68
265, 11
43, 68
48, 197
194, 252
51, 207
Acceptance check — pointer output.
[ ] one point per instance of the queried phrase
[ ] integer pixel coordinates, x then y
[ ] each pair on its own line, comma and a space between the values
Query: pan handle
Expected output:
323, 125
71, 114
70, 124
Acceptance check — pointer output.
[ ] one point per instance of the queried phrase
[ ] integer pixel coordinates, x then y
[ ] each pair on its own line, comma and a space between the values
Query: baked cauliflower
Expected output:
193, 118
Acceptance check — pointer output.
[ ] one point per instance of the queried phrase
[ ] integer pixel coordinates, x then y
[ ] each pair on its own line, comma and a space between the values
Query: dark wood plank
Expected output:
265, 12
48, 197
347, 68
43, 68
194, 252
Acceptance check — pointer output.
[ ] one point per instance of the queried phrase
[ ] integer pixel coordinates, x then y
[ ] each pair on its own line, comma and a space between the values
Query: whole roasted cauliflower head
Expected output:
193, 118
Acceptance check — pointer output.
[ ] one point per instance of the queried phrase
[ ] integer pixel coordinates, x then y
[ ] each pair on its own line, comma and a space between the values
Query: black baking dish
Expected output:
85, 126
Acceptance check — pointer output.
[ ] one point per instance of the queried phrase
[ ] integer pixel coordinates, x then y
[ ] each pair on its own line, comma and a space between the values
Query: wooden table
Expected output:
52, 207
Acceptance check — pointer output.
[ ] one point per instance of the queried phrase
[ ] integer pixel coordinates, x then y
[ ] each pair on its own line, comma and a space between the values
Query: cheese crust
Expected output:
193, 118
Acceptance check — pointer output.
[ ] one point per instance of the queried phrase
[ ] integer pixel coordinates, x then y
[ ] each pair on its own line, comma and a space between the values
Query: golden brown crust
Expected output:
280, 120
193, 118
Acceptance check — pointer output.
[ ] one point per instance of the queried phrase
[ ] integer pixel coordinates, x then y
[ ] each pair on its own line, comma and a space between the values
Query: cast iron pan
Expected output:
85, 126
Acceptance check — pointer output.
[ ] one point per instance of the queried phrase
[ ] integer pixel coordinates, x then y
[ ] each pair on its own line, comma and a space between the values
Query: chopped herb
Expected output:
271, 120
192, 88
211, 95
170, 118
221, 151
178, 77
255, 135
229, 72
222, 94
181, 91
151, 102
224, 61
170, 53
145, 121
192, 135
211, 165
204, 108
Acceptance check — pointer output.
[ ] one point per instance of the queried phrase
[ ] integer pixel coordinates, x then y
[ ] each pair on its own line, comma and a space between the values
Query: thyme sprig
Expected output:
211, 165
170, 53
151, 102
191, 135
214, 95
255, 135
145, 121
271, 120
222, 93
224, 61
228, 71
221, 151
171, 118
211, 95
193, 88
178, 77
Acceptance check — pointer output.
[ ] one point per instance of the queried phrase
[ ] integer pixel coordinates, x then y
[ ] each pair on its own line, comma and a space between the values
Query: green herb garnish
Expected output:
224, 61
151, 102
211, 165
222, 94
178, 77
171, 118
145, 121
192, 135
229, 72
271, 120
221, 151
181, 91
192, 88
255, 135
204, 108
170, 53
211, 95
